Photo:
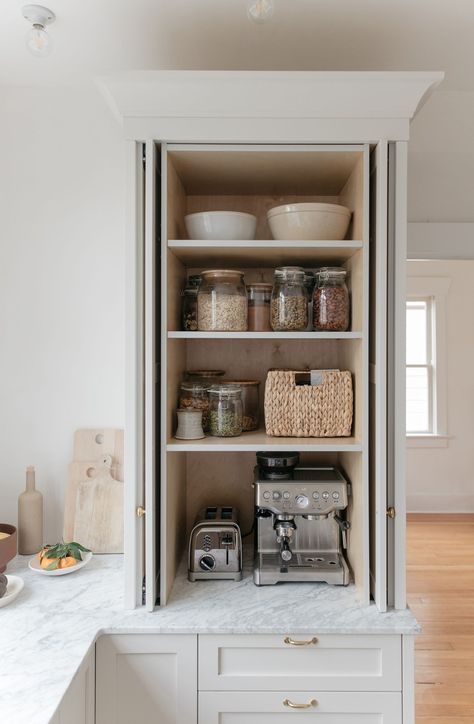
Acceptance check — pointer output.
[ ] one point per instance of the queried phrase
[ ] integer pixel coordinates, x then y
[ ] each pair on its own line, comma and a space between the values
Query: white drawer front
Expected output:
331, 663
257, 707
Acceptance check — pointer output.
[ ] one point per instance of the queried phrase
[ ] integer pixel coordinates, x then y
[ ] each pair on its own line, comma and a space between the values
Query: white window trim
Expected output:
437, 288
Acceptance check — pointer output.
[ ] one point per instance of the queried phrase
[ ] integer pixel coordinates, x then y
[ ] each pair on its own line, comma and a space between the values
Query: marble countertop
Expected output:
47, 631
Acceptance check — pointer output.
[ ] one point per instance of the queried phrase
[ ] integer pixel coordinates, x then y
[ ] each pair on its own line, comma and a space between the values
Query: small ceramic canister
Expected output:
189, 424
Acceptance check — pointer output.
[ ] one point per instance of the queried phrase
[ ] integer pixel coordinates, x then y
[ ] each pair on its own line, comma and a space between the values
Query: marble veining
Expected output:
46, 633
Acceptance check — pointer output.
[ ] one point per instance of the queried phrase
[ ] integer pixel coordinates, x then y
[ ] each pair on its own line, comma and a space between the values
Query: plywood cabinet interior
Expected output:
254, 179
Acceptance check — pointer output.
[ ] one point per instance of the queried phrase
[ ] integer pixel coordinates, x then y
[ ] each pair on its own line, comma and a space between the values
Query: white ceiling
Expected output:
93, 37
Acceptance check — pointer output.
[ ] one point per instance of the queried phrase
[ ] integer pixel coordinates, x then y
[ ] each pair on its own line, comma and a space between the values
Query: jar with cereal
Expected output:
289, 306
222, 301
195, 396
331, 303
226, 410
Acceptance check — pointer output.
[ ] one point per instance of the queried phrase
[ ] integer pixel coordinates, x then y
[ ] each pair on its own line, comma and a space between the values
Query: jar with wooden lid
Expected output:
259, 299
222, 301
289, 305
195, 396
226, 410
250, 402
331, 302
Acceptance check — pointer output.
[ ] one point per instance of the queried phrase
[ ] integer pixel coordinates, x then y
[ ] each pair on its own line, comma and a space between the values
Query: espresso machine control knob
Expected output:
207, 563
266, 494
302, 501
276, 495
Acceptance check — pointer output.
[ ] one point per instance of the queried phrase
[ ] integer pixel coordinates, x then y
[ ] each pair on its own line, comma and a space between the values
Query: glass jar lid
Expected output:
194, 280
194, 387
226, 390
188, 374
325, 272
259, 291
190, 291
291, 273
221, 273
241, 383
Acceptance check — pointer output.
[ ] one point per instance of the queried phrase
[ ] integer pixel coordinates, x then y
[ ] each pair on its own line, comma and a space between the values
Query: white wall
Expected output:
442, 479
61, 284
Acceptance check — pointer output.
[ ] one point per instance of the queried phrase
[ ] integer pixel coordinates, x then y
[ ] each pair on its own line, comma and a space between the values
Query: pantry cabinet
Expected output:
247, 141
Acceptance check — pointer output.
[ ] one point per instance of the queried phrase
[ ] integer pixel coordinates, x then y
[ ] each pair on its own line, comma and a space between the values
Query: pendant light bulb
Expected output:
259, 11
38, 40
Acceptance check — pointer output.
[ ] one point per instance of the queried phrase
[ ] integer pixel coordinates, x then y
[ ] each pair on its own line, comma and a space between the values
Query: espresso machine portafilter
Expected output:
301, 529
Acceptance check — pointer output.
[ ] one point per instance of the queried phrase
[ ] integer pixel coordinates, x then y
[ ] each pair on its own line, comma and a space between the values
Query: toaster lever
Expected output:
227, 541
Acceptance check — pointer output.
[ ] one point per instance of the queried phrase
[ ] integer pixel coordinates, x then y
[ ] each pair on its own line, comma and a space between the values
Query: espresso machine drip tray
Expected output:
327, 567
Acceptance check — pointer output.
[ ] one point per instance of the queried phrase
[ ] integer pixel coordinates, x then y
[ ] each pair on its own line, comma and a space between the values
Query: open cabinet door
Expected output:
151, 390
396, 383
134, 490
378, 373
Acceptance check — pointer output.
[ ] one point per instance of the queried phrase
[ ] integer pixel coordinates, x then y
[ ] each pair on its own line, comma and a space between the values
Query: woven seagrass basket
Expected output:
308, 404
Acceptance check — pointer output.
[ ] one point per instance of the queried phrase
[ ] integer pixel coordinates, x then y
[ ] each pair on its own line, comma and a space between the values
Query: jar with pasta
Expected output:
289, 306
222, 301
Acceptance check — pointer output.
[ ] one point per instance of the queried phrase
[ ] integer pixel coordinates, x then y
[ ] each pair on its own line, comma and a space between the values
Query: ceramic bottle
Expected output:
30, 517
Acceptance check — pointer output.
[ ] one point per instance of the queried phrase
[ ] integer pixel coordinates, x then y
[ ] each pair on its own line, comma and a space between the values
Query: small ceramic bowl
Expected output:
8, 546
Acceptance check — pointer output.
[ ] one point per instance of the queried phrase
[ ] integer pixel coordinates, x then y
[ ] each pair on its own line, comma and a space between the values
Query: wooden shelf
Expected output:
265, 335
258, 253
259, 440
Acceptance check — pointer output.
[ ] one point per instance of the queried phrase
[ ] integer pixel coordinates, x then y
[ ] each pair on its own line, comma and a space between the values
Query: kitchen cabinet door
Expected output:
308, 707
78, 703
150, 679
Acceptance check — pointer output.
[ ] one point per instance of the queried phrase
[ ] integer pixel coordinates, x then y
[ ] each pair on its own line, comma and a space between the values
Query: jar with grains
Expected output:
250, 402
331, 304
289, 306
222, 301
226, 410
259, 296
189, 317
195, 396
194, 280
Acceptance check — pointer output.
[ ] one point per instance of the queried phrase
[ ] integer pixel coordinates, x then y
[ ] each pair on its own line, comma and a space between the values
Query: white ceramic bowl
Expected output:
295, 222
221, 225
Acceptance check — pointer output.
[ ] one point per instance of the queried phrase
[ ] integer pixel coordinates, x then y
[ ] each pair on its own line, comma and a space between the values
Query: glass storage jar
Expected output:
259, 298
250, 402
226, 410
289, 306
189, 316
195, 396
222, 301
331, 304
194, 280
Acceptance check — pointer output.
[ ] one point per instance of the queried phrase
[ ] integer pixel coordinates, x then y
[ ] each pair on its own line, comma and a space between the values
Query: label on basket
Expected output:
311, 377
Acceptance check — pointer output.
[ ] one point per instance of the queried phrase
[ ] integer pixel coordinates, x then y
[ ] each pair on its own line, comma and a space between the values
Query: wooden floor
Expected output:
441, 595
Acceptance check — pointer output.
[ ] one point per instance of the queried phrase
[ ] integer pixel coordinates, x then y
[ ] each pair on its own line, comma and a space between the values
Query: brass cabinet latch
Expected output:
140, 511
391, 513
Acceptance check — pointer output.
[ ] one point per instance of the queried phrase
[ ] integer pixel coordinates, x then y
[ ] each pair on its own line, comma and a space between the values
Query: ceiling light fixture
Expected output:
260, 10
37, 39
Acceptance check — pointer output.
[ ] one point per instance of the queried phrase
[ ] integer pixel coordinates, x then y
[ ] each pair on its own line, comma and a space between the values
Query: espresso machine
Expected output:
300, 524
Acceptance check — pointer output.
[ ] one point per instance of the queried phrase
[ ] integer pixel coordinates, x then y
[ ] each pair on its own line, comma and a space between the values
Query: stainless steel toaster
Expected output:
215, 545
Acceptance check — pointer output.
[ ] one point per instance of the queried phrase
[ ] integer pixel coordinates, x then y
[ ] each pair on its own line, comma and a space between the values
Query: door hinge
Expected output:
391, 512
140, 511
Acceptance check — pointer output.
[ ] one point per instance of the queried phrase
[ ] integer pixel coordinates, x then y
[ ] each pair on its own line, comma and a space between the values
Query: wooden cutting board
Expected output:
98, 520
90, 446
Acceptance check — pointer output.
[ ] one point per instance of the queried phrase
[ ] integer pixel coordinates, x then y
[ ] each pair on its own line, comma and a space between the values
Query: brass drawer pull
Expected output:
292, 642
292, 705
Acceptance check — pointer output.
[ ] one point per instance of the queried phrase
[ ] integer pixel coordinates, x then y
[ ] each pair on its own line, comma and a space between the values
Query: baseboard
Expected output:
430, 503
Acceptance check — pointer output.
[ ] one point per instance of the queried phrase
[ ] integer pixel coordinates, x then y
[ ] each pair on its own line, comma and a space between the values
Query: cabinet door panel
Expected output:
350, 663
78, 704
148, 679
269, 708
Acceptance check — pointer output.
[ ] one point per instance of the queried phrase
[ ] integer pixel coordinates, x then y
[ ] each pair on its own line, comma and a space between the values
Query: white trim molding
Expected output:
437, 288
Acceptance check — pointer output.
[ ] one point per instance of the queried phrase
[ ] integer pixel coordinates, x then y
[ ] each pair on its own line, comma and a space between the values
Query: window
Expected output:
426, 413
420, 367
